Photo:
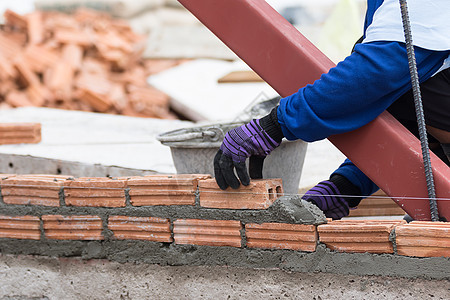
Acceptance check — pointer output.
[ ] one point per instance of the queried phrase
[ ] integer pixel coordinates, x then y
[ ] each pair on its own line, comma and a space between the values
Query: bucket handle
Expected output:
189, 136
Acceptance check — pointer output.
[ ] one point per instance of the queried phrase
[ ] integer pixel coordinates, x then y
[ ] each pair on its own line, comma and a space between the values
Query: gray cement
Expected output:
26, 277
166, 254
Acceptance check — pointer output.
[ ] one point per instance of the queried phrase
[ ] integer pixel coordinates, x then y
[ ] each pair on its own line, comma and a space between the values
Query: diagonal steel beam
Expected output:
383, 149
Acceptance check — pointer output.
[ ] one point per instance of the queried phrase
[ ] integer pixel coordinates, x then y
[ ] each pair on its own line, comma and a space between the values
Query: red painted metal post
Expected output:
383, 149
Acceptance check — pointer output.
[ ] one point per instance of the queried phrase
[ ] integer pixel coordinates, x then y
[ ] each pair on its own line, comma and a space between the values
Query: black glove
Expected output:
255, 140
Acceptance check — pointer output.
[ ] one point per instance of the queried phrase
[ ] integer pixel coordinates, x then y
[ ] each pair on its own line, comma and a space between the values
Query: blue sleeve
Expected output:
354, 92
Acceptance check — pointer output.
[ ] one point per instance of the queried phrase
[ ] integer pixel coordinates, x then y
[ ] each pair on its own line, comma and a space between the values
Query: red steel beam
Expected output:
383, 149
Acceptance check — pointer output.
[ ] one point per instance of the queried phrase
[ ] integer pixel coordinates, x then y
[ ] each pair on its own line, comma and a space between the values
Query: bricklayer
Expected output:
260, 194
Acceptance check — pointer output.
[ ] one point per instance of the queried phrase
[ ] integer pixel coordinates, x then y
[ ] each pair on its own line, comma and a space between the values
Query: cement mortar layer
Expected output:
287, 209
322, 260
31, 277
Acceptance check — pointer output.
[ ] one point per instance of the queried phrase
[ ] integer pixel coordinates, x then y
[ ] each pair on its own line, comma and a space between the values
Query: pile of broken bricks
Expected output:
190, 209
85, 61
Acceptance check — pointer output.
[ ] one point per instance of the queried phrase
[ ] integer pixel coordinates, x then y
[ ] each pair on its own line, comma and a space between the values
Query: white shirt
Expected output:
430, 23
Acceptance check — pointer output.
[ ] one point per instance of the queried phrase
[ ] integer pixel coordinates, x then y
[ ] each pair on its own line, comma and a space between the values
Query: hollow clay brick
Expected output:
18, 133
14, 19
35, 27
72, 227
73, 55
25, 75
140, 228
39, 58
158, 189
358, 235
32, 189
95, 192
281, 236
207, 232
17, 99
260, 194
98, 102
8, 46
423, 239
379, 204
20, 227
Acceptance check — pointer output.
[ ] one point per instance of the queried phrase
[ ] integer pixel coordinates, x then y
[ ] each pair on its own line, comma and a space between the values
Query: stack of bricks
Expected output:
149, 208
18, 133
85, 61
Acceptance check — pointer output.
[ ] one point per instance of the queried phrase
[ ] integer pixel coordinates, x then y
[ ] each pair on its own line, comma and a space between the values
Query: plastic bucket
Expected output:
193, 150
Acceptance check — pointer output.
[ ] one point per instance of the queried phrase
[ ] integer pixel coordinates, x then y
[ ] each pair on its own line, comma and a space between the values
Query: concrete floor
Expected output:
27, 277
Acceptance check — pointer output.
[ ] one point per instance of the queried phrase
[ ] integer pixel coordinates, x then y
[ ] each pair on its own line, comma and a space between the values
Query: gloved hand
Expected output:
255, 140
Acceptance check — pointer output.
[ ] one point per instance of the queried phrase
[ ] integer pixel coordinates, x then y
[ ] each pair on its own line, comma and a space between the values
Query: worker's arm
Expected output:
354, 92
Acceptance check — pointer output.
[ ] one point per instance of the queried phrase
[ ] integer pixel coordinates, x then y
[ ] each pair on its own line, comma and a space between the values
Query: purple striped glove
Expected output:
332, 196
254, 140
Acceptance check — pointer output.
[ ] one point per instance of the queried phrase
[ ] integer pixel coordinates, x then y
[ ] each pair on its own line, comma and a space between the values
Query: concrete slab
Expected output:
196, 93
92, 139
28, 277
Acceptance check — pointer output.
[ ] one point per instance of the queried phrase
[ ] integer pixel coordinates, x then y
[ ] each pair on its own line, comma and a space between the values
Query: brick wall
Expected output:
192, 210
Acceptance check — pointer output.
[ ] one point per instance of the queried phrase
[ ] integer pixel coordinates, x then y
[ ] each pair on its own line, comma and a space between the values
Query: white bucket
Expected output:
193, 150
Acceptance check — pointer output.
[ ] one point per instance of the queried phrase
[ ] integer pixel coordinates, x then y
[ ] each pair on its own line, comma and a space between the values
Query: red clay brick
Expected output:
164, 189
26, 76
73, 55
95, 192
72, 227
98, 102
423, 239
281, 236
140, 228
17, 133
358, 236
35, 27
207, 232
39, 58
14, 19
21, 227
379, 204
32, 189
260, 194
17, 99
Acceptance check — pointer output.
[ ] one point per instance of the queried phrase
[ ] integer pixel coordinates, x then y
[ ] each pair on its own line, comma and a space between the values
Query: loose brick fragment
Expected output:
18, 99
358, 235
72, 227
32, 189
26, 76
18, 133
35, 27
140, 228
260, 194
95, 192
20, 227
207, 232
15, 20
281, 236
98, 102
164, 189
423, 239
